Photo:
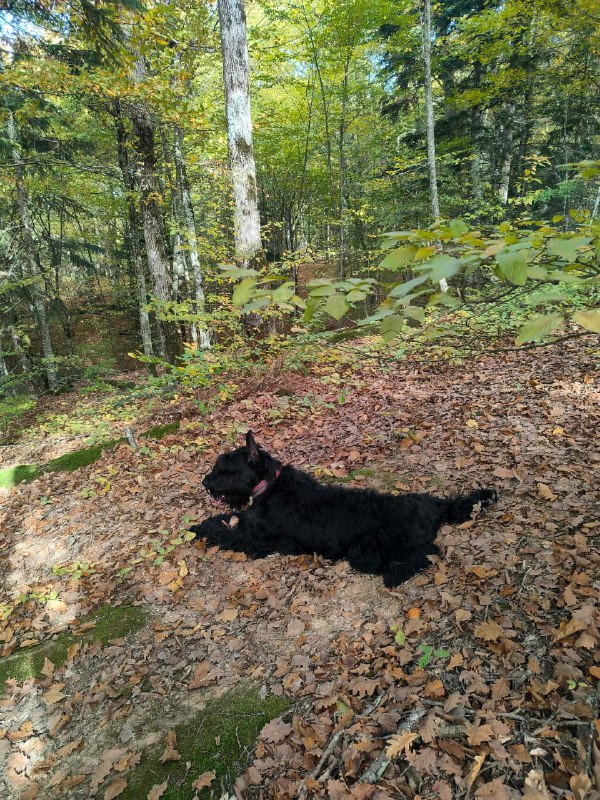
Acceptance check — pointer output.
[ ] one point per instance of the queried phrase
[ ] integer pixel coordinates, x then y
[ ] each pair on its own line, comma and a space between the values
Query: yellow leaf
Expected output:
400, 743
475, 769
472, 423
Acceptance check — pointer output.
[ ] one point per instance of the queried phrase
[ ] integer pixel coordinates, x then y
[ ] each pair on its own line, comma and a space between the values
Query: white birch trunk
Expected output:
430, 122
234, 47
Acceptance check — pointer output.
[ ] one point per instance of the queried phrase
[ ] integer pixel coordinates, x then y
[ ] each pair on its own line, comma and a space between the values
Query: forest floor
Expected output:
140, 665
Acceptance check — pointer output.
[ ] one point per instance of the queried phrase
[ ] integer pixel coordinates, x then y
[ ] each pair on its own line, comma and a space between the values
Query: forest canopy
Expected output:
404, 169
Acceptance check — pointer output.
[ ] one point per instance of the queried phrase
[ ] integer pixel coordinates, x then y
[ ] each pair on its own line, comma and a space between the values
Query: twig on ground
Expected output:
131, 439
332, 744
379, 766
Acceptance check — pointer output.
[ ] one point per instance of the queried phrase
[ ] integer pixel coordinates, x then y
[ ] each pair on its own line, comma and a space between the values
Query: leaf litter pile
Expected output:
476, 678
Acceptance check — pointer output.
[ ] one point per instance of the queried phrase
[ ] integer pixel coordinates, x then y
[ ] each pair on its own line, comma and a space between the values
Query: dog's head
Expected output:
235, 475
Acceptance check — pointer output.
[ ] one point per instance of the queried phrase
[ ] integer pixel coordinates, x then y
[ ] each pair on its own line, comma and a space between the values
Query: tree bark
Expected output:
32, 257
507, 155
134, 232
234, 47
192, 240
429, 118
430, 122
147, 183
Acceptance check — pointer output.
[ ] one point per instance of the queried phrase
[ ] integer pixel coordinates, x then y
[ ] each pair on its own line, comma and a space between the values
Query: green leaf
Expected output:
402, 289
391, 327
567, 248
553, 295
256, 305
400, 637
440, 266
354, 296
414, 312
243, 292
458, 227
590, 320
513, 265
230, 271
399, 257
284, 293
538, 327
337, 306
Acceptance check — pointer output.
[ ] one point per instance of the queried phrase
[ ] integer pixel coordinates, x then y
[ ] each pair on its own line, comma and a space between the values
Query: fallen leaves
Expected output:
170, 752
400, 743
204, 781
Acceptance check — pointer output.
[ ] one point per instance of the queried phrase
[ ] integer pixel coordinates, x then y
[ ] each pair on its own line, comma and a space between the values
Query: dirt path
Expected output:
494, 646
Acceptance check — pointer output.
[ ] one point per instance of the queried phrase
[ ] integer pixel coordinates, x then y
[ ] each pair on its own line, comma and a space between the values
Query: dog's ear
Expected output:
252, 453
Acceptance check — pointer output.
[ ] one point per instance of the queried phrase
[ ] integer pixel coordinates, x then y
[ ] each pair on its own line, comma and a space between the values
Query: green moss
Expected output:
216, 740
115, 622
161, 430
29, 663
78, 458
11, 476
111, 623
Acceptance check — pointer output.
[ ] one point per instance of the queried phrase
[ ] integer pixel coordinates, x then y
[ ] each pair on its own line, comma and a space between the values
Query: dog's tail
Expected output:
459, 509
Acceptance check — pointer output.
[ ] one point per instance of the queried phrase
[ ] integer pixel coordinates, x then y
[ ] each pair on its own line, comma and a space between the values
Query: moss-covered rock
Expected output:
216, 740
110, 623
161, 430
11, 476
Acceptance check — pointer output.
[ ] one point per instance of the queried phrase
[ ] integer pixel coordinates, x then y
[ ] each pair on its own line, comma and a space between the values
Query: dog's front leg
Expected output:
240, 532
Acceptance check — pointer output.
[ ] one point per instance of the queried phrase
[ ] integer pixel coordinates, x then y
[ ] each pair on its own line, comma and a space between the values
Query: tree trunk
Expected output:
5, 374
158, 265
429, 119
342, 164
234, 46
134, 232
507, 155
32, 258
192, 240
430, 122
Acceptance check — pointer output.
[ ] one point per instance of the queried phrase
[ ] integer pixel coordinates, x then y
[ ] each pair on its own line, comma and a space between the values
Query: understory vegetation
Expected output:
370, 232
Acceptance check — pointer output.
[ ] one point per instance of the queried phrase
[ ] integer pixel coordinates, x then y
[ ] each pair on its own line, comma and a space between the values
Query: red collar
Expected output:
262, 487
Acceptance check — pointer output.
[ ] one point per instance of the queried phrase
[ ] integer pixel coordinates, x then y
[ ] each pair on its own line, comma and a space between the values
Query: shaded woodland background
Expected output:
116, 207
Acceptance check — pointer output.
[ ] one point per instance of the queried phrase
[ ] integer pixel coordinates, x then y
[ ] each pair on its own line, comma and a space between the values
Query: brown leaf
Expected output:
295, 628
115, 788
204, 781
31, 792
48, 668
54, 694
157, 791
276, 730
535, 787
580, 786
578, 622
170, 753
495, 790
476, 733
24, 732
199, 676
228, 615
546, 493
399, 743
489, 631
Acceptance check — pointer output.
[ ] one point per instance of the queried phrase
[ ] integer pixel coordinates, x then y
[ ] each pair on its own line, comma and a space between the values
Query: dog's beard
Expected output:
234, 500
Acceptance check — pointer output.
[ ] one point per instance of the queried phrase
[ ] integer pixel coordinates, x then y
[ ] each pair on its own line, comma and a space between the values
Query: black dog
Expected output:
291, 513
